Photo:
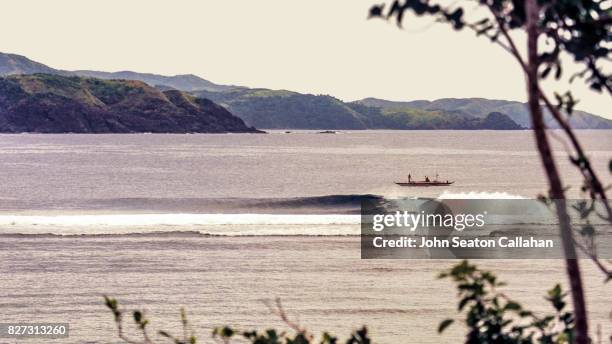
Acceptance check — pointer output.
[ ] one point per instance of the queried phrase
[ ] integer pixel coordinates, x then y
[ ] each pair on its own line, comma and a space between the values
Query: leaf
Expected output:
227, 332
137, 316
587, 230
558, 71
444, 324
462, 303
456, 18
512, 306
398, 11
545, 72
112, 303
555, 291
328, 339
484, 30
376, 11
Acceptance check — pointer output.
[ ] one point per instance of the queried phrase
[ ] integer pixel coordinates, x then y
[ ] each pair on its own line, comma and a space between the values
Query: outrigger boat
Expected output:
425, 182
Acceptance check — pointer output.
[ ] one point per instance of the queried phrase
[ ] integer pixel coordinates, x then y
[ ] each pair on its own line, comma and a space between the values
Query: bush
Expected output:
490, 317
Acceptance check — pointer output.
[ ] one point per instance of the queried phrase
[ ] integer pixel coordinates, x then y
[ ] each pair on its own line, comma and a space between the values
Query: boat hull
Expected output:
424, 183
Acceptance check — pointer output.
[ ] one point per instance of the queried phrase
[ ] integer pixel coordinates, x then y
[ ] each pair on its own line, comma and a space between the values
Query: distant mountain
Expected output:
280, 109
417, 119
11, 64
187, 82
271, 109
480, 107
57, 104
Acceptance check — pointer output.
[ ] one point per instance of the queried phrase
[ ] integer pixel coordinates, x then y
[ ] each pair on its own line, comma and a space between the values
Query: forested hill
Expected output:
480, 108
59, 104
282, 109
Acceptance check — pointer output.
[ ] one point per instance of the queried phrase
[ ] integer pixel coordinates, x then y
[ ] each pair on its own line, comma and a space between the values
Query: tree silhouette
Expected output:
578, 28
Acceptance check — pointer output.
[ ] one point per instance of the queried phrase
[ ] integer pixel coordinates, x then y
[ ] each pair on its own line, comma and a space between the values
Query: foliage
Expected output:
265, 108
580, 28
480, 108
58, 104
492, 317
227, 334
283, 109
422, 119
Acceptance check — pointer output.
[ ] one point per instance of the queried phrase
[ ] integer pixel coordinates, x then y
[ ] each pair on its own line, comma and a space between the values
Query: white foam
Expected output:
478, 195
220, 224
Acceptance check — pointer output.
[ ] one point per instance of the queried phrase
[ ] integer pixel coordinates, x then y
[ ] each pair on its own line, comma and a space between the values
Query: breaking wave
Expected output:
211, 224
319, 215
478, 195
328, 204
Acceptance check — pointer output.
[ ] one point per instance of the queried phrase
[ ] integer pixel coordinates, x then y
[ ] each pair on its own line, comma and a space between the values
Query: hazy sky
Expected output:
313, 46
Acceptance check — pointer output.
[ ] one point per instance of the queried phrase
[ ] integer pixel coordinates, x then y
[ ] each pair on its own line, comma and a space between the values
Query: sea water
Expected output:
220, 223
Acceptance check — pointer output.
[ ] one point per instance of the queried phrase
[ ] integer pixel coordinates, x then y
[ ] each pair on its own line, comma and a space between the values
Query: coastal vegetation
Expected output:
579, 29
283, 109
480, 108
489, 315
47, 103
272, 109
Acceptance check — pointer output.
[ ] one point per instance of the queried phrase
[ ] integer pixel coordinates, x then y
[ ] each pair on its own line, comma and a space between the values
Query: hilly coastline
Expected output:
271, 109
186, 82
46, 103
282, 109
481, 107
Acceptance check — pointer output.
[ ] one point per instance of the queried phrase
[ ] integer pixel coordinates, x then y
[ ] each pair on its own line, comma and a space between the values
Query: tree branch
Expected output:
595, 260
279, 311
586, 169
513, 49
556, 187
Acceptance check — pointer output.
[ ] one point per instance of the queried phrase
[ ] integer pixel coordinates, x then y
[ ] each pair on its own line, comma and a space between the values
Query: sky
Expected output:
314, 46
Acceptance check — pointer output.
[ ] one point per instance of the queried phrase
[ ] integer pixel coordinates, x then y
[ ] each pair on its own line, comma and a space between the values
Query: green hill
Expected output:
11, 64
480, 107
417, 119
186, 82
271, 109
57, 104
280, 109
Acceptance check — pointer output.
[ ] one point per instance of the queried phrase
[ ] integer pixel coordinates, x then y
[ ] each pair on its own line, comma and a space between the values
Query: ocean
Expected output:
221, 223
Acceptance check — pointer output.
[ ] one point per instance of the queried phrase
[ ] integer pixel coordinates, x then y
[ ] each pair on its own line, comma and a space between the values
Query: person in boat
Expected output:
427, 179
409, 178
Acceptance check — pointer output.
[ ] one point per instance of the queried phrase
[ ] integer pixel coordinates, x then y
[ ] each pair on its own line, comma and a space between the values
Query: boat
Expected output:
425, 182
